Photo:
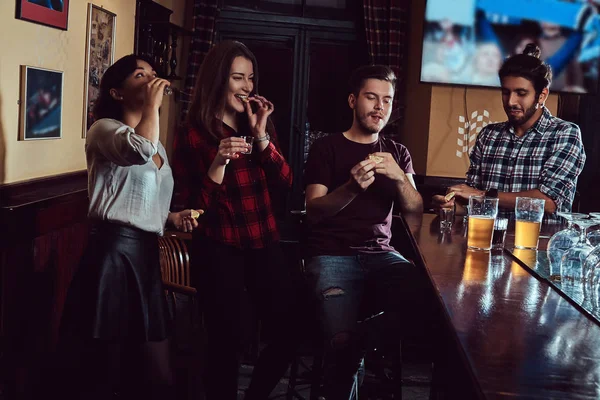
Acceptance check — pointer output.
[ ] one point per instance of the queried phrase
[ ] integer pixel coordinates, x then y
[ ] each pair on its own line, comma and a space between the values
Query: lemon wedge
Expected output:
376, 159
196, 213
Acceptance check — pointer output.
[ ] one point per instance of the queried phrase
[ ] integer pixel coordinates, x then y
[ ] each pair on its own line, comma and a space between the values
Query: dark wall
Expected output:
589, 181
43, 233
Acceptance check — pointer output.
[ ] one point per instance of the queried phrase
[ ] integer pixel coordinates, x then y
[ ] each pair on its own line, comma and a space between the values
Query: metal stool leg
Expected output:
292, 381
317, 371
398, 373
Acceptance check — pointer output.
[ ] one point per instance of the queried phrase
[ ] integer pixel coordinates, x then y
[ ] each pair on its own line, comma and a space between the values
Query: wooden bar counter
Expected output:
514, 335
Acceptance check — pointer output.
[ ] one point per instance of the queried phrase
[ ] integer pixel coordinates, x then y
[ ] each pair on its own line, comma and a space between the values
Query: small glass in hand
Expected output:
249, 140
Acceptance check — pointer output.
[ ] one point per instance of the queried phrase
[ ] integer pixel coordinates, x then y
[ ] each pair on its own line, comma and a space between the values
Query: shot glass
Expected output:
168, 91
499, 233
446, 219
249, 140
528, 214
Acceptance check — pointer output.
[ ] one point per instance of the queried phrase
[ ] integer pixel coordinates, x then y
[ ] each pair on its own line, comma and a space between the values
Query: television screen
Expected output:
466, 41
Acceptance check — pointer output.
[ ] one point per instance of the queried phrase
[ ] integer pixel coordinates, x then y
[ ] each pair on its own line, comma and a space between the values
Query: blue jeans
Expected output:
349, 289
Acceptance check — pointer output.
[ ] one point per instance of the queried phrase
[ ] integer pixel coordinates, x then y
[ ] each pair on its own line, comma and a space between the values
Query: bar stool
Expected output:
315, 344
315, 371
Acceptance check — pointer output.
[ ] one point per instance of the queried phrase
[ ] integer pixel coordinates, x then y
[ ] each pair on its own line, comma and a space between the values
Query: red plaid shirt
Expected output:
238, 211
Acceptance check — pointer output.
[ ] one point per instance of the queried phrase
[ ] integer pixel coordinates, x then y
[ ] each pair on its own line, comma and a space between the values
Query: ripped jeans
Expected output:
349, 289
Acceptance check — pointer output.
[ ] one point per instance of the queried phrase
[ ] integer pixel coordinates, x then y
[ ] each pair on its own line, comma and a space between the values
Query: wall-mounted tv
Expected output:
466, 41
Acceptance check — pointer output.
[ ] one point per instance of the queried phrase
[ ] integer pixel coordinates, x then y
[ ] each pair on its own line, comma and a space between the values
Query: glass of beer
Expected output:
528, 214
482, 214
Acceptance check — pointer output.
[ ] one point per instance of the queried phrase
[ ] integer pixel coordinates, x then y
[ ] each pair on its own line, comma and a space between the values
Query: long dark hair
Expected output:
208, 100
106, 106
529, 66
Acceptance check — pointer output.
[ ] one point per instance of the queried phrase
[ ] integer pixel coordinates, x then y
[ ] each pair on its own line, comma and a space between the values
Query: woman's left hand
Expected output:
184, 220
258, 120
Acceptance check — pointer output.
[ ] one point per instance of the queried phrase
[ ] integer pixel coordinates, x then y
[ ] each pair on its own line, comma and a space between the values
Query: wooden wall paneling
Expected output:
43, 233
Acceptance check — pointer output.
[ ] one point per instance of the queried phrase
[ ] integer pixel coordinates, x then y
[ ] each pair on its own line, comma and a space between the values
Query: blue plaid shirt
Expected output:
549, 157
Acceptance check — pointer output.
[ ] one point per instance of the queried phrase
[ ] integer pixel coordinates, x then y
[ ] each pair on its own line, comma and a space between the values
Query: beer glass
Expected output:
528, 215
571, 264
562, 241
482, 214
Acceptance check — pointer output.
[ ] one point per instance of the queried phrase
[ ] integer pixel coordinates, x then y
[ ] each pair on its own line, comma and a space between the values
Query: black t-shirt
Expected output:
364, 225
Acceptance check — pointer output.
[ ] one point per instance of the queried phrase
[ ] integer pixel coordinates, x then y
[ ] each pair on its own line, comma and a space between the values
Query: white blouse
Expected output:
124, 183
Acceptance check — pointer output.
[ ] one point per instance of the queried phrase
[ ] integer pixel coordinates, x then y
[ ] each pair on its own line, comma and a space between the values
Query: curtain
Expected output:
386, 28
205, 14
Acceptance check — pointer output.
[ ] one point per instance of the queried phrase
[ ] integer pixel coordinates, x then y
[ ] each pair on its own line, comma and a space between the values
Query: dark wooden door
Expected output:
332, 60
304, 66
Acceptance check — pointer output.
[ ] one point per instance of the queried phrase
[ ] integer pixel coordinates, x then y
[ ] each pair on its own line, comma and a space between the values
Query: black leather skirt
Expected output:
117, 293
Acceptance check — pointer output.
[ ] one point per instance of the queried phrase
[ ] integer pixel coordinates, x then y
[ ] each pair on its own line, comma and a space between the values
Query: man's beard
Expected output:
527, 114
363, 122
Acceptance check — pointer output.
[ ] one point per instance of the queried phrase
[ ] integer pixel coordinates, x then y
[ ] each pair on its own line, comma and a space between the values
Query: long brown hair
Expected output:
208, 100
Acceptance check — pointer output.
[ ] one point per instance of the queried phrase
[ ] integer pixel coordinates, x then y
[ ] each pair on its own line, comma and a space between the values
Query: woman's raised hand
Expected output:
230, 149
258, 119
155, 90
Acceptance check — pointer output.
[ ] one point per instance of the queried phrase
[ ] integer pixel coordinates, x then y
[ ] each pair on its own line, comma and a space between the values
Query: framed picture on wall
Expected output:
54, 13
41, 103
99, 55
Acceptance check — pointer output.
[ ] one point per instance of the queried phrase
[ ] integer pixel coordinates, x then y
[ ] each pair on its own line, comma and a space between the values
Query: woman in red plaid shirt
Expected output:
236, 249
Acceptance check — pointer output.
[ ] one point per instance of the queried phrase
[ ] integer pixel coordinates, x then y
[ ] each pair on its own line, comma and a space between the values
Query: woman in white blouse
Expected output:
113, 334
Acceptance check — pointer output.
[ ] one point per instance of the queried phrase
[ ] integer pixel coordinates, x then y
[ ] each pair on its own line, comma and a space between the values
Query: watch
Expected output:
262, 138
492, 193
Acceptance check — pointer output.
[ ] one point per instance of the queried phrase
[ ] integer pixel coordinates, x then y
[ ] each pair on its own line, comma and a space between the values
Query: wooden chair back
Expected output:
174, 260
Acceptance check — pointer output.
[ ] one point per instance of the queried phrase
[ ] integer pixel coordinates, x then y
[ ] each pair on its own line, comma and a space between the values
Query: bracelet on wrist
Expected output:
262, 138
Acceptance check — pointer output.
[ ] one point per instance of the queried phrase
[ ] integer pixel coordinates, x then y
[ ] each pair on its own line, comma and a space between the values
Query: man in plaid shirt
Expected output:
533, 154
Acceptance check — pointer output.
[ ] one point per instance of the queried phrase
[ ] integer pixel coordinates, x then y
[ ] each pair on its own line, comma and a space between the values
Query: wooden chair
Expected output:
175, 270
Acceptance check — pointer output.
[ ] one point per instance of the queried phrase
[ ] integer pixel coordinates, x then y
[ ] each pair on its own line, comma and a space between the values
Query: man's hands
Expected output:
389, 168
461, 194
363, 174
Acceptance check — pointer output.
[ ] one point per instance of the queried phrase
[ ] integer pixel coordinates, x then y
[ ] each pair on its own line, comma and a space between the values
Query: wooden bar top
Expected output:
518, 336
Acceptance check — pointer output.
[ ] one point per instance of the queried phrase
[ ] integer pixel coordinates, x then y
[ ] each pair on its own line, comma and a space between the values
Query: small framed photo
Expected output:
99, 55
41, 103
54, 13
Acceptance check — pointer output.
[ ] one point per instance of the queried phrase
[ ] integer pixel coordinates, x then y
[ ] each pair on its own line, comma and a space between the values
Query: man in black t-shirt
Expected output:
353, 181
